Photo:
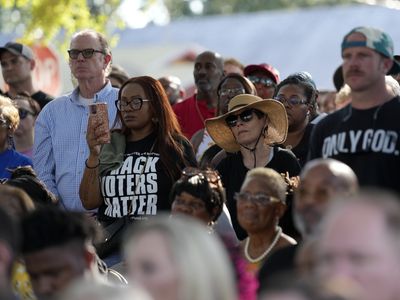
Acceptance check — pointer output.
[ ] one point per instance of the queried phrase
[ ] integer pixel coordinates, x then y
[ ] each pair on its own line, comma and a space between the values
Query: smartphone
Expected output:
99, 112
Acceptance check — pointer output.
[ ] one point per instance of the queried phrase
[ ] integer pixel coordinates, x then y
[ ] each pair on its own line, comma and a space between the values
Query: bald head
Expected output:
208, 72
321, 181
215, 56
333, 172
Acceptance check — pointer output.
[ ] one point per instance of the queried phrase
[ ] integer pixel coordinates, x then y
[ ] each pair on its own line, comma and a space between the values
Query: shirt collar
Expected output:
98, 97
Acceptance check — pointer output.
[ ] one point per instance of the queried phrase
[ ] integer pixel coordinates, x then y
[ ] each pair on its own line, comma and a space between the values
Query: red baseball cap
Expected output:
266, 68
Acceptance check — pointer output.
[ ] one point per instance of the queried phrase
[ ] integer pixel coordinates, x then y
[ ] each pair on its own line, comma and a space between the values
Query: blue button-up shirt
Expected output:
60, 147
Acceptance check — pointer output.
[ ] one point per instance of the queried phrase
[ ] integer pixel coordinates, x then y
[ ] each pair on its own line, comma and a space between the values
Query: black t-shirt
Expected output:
233, 173
140, 187
42, 98
367, 140
301, 150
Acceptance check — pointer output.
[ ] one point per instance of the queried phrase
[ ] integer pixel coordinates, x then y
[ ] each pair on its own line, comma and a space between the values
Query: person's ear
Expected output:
107, 59
33, 64
387, 64
182, 93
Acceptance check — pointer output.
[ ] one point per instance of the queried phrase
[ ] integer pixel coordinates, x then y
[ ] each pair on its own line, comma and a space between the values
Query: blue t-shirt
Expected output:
10, 159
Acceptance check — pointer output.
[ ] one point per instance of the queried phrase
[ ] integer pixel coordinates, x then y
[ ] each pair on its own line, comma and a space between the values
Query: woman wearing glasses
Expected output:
9, 120
131, 177
28, 110
250, 129
298, 94
260, 205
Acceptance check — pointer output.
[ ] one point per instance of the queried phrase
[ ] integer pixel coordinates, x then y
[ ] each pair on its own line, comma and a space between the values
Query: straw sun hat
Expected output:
277, 124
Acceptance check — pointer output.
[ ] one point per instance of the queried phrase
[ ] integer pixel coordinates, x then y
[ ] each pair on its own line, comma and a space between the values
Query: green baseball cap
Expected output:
375, 39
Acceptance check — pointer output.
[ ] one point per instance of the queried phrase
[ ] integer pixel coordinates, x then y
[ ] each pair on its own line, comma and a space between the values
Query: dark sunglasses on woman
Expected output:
245, 116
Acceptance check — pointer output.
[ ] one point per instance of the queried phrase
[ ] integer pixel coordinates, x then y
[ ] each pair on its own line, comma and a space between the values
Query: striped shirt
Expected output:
60, 147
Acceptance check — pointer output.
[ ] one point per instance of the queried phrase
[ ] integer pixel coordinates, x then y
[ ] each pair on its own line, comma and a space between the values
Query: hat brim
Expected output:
11, 50
277, 125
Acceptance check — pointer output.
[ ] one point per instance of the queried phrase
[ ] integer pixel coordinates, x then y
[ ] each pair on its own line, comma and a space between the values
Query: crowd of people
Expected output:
254, 187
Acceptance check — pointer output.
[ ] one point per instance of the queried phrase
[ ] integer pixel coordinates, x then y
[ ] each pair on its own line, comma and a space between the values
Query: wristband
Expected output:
95, 167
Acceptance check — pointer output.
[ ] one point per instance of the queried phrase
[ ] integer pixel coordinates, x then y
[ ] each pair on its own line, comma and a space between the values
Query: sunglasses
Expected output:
86, 53
23, 113
264, 81
245, 116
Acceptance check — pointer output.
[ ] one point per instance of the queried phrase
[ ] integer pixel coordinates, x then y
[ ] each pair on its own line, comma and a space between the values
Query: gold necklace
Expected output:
266, 252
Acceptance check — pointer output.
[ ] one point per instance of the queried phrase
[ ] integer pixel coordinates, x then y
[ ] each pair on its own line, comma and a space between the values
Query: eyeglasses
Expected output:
86, 53
231, 92
259, 199
245, 116
291, 101
210, 175
265, 81
23, 113
134, 103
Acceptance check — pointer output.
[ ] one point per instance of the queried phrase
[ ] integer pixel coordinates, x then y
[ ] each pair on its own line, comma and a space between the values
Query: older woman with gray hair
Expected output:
260, 204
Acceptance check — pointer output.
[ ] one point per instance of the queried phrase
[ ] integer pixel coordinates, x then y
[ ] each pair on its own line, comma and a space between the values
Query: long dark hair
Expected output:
169, 137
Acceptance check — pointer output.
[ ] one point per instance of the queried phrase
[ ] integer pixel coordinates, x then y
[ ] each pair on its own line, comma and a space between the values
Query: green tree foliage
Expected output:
54, 21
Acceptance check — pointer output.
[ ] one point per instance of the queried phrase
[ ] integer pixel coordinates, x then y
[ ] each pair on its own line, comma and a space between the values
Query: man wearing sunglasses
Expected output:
264, 77
60, 147
17, 65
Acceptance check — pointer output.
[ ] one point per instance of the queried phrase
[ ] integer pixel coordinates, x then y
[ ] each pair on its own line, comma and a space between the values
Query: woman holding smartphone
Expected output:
131, 176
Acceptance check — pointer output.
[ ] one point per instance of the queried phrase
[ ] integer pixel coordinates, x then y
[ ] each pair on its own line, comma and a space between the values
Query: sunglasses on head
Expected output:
86, 53
23, 113
245, 116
